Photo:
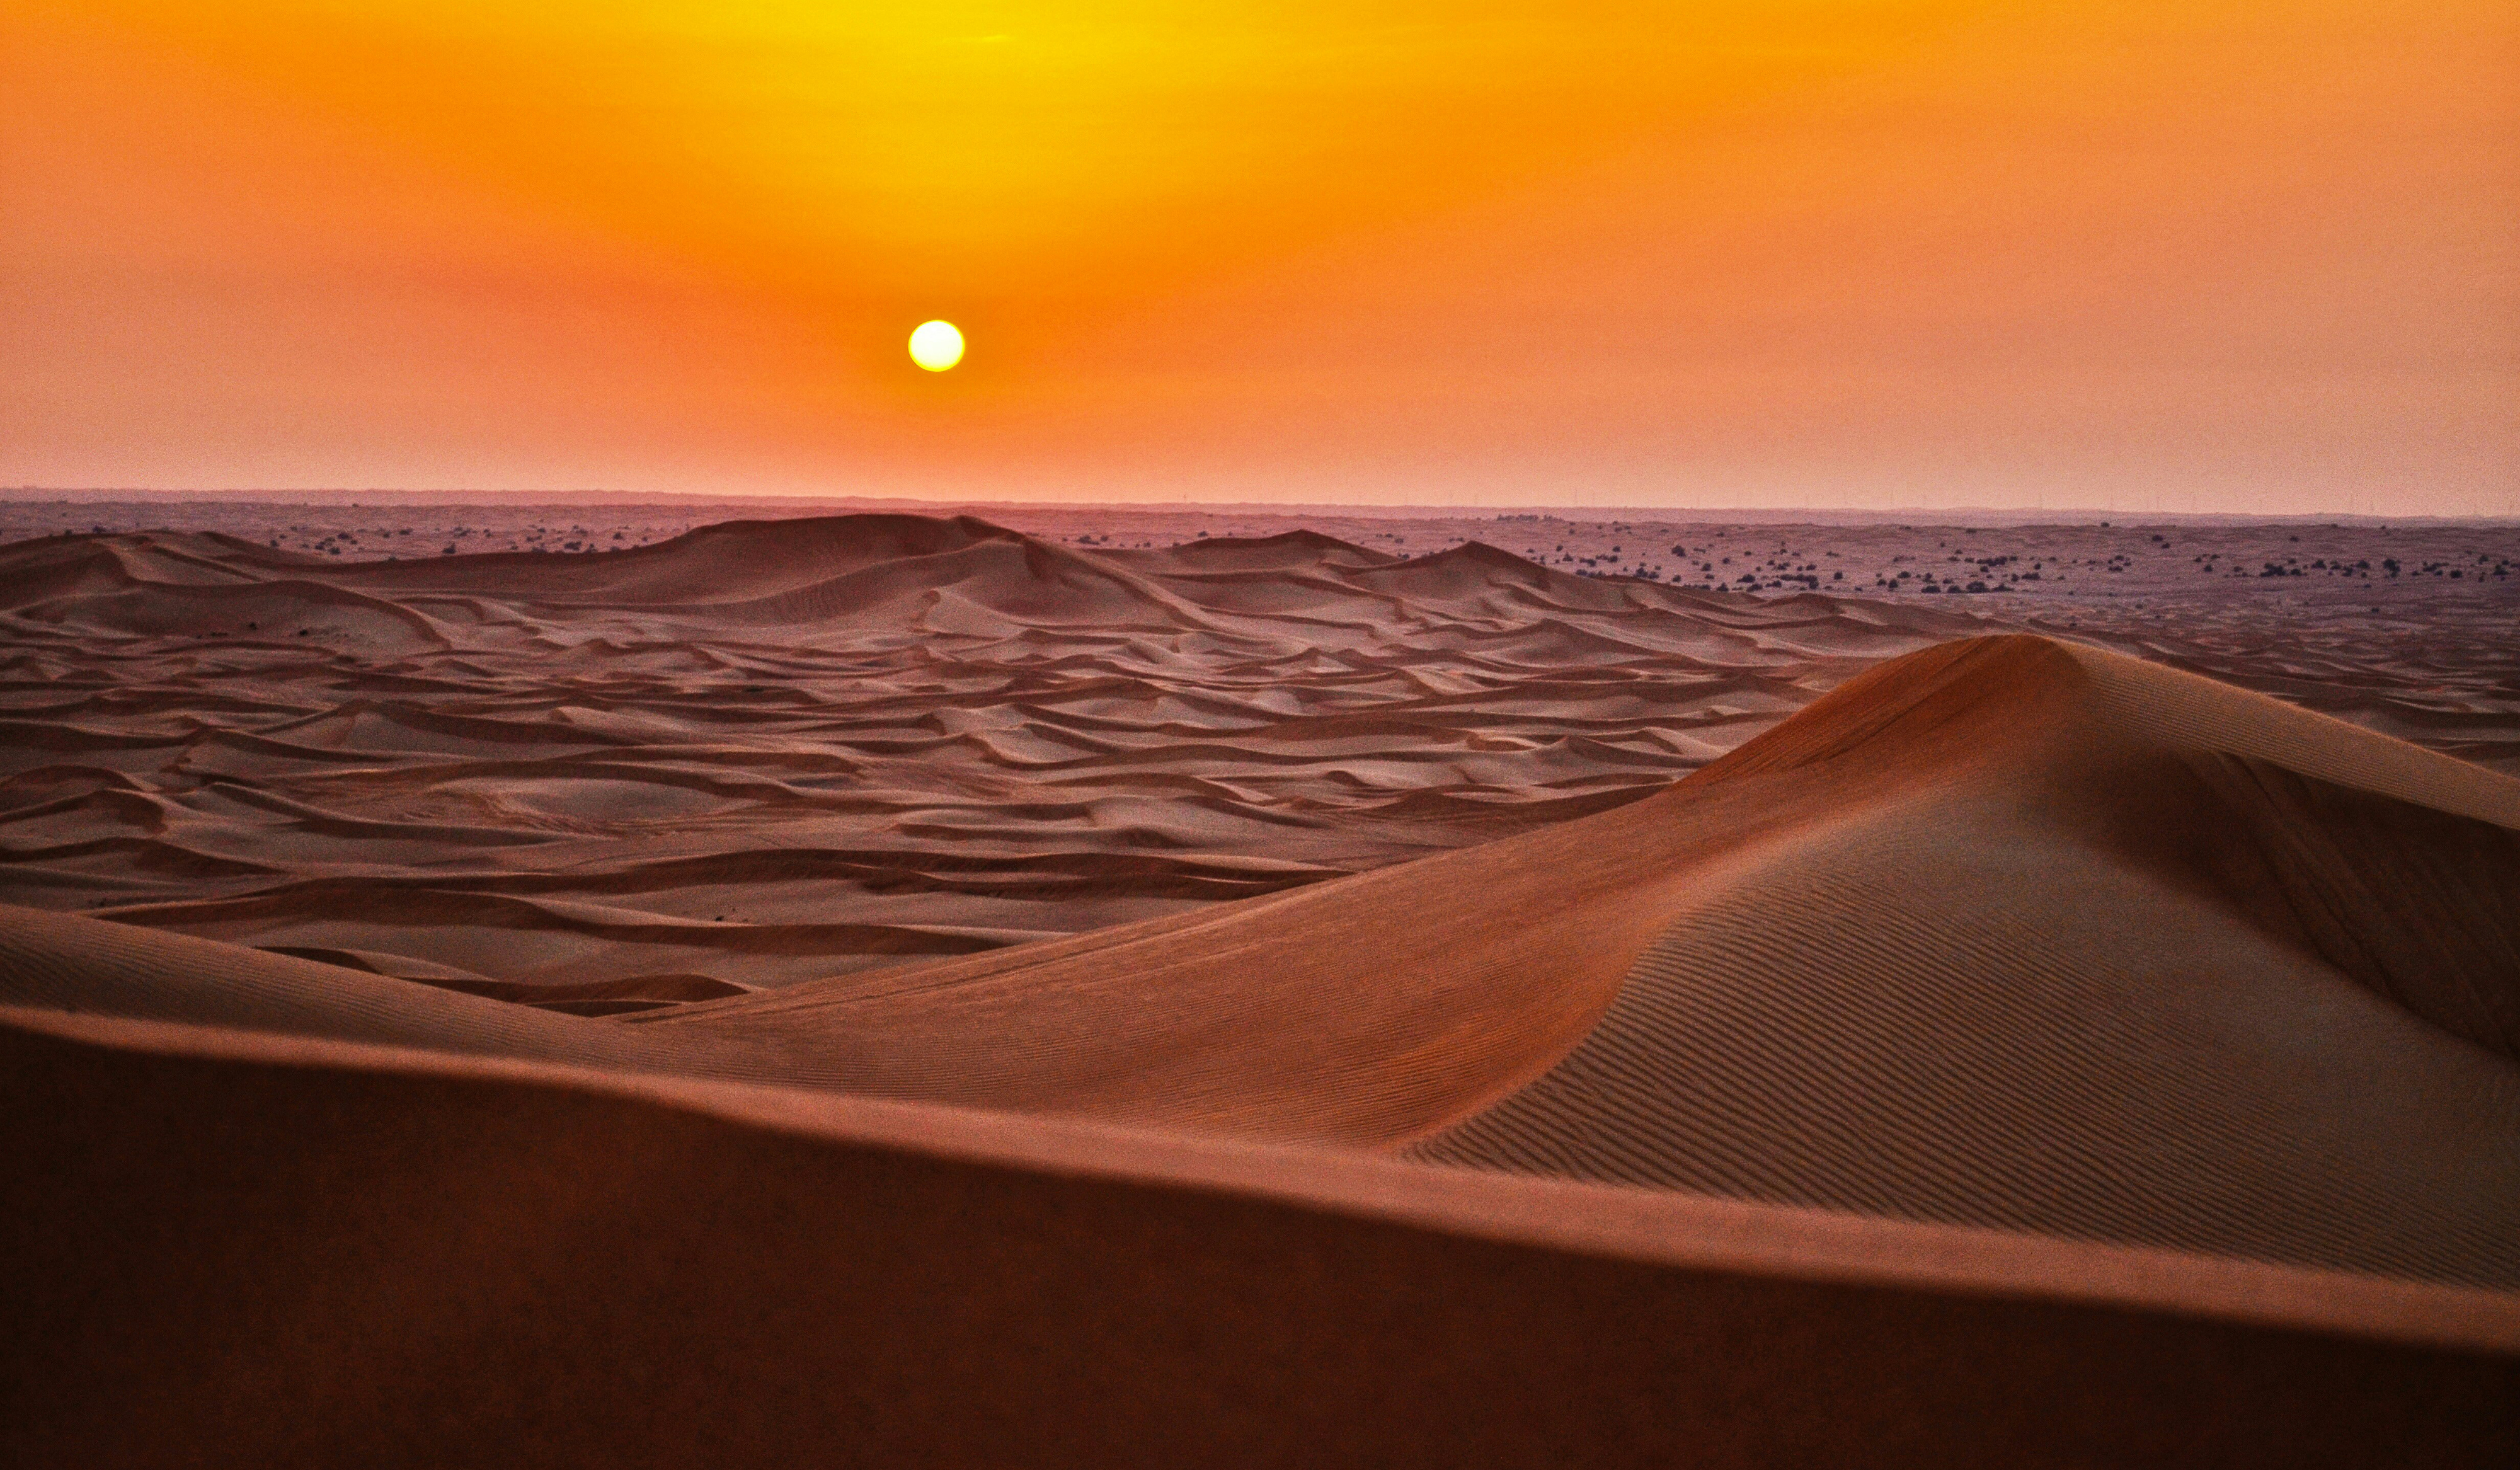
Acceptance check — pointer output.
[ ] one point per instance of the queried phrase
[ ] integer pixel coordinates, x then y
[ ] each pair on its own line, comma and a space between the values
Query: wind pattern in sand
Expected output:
764, 752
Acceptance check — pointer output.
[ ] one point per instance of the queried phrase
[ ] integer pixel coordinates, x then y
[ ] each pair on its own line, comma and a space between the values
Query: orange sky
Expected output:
2177, 255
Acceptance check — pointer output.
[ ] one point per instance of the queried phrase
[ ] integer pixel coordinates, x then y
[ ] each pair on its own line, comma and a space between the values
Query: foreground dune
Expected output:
229, 1247
2021, 1054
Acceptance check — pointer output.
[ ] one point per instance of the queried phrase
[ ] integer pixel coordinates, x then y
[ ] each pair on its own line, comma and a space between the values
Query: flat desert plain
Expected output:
678, 984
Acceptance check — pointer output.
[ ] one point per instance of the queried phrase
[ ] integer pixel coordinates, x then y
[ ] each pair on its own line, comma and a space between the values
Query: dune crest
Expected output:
2087, 959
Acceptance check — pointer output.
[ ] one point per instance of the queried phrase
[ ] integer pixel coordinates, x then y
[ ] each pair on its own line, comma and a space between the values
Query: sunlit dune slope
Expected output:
2054, 941
2005, 932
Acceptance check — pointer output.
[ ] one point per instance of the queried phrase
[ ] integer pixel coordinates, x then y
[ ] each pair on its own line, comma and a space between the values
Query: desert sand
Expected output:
772, 750
901, 988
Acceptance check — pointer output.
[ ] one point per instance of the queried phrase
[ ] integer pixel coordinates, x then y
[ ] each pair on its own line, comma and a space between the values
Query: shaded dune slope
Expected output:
231, 1249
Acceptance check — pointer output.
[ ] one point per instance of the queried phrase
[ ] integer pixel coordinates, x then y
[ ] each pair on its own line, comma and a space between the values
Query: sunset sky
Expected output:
2184, 256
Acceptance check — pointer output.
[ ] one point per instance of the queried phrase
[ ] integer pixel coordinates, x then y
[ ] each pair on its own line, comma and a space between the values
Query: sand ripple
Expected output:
767, 751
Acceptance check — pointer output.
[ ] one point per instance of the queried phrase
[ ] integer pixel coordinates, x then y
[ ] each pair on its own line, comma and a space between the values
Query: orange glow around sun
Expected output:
1798, 251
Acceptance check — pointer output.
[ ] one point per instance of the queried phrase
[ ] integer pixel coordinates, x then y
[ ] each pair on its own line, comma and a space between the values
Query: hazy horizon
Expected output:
381, 497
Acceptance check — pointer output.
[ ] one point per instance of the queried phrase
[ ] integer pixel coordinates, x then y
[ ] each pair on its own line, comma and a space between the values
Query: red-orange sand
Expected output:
2007, 1052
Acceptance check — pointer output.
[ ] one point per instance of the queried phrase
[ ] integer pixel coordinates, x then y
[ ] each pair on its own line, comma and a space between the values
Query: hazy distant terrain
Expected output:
2404, 628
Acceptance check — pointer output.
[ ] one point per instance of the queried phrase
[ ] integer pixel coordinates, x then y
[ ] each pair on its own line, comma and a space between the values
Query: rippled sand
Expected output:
768, 751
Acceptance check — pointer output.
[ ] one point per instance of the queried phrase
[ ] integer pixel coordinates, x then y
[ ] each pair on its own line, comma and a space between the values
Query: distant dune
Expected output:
772, 751
599, 1033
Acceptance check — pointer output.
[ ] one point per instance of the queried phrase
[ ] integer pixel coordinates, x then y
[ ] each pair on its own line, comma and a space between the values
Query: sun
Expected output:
936, 345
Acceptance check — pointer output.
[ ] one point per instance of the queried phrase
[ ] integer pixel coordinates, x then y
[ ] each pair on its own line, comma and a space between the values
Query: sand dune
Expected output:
684, 758
2012, 1052
229, 1249
2083, 947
